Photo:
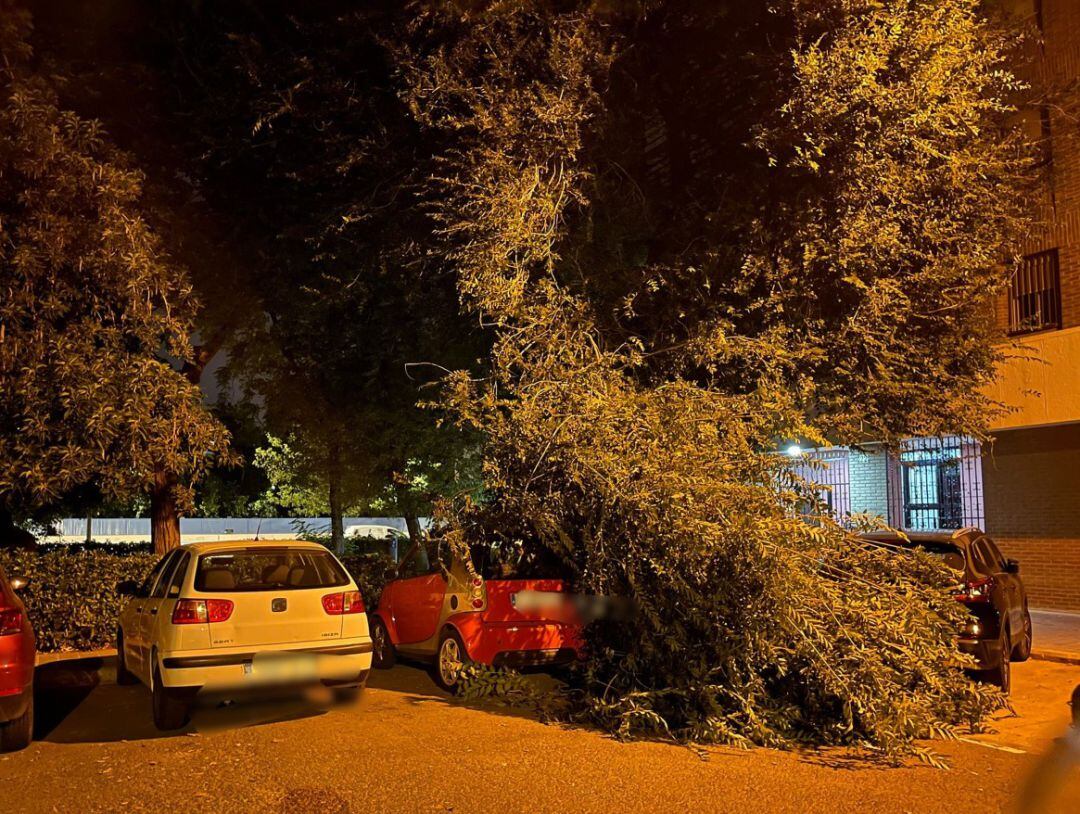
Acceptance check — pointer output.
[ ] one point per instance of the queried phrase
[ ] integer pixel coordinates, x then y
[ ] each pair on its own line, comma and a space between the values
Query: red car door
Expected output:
417, 598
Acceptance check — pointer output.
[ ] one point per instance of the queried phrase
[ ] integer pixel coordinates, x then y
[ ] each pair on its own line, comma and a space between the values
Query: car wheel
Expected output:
383, 655
1022, 651
171, 711
450, 659
124, 676
17, 733
1002, 674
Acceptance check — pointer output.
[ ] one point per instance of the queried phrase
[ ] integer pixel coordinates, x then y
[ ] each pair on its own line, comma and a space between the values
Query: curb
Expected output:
73, 655
1059, 656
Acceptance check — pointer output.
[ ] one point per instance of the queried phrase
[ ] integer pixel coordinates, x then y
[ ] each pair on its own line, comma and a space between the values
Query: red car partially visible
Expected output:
17, 650
506, 610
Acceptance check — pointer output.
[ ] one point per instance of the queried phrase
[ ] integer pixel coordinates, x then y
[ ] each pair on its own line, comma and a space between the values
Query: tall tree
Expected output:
701, 229
307, 143
96, 318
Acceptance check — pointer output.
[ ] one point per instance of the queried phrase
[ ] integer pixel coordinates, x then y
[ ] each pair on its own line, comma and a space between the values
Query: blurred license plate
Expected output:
538, 600
281, 667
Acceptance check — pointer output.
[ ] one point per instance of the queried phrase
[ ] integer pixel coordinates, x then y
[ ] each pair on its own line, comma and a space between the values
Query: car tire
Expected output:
1002, 674
383, 655
451, 652
124, 676
171, 710
17, 733
1022, 651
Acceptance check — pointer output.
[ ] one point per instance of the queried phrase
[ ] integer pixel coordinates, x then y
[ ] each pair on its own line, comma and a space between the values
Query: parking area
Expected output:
407, 746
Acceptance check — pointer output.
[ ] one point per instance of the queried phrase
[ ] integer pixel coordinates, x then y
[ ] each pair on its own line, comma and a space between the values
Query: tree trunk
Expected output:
406, 504
89, 527
412, 523
164, 514
337, 526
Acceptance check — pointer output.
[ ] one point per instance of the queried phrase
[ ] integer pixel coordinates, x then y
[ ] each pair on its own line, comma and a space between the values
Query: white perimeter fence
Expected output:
203, 529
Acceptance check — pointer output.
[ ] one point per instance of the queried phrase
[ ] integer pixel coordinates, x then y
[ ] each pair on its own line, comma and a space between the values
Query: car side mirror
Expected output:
128, 587
1012, 566
18, 583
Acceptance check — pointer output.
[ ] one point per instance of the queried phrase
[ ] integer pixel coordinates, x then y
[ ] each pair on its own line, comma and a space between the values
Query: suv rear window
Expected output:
949, 554
268, 569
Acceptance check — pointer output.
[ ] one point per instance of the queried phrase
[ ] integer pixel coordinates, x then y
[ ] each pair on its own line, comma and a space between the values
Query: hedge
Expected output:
72, 601
371, 572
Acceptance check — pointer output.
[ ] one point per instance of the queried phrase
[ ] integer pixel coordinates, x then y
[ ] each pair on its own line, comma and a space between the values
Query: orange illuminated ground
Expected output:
408, 747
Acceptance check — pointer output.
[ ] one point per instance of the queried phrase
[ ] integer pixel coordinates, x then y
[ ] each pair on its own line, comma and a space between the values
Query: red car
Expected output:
17, 650
509, 614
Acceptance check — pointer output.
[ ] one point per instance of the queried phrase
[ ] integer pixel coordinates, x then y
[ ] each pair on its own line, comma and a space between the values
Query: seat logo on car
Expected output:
279, 604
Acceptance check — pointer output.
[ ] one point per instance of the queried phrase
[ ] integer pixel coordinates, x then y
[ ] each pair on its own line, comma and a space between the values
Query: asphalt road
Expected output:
407, 747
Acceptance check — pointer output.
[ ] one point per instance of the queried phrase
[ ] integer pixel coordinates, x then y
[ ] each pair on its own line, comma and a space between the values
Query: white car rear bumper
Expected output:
340, 662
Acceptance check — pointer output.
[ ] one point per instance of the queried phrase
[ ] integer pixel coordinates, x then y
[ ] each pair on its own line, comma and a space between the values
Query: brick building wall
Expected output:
868, 471
1031, 479
1060, 68
1053, 69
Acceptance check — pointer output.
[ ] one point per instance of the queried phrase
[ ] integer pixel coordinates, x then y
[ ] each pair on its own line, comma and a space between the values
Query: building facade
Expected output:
1024, 486
1031, 472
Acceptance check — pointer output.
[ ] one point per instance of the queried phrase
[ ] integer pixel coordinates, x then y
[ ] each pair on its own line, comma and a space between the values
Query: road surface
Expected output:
408, 747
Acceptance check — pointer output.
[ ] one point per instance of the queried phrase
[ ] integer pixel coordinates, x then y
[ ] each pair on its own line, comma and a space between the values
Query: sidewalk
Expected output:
73, 655
1055, 636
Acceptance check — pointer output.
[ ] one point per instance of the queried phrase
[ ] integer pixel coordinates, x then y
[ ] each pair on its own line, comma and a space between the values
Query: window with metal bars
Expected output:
1035, 294
826, 482
936, 484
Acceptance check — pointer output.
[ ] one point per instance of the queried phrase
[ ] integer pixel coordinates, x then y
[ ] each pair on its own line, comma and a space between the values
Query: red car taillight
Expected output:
347, 602
200, 611
976, 590
218, 610
10, 621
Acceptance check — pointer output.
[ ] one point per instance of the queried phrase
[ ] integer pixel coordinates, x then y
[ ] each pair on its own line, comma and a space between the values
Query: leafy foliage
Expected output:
71, 599
305, 145
701, 231
94, 316
371, 572
294, 484
479, 682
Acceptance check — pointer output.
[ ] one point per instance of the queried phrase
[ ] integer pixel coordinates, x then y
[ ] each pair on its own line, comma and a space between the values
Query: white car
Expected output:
232, 616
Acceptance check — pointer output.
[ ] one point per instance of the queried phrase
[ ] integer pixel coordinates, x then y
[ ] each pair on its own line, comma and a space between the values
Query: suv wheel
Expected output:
1002, 674
1022, 651
450, 659
383, 656
171, 710
17, 733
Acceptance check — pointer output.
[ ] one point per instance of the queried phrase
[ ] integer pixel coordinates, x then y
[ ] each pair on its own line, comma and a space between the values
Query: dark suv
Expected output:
999, 630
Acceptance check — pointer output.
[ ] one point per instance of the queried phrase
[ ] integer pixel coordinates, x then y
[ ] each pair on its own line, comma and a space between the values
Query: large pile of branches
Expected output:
698, 233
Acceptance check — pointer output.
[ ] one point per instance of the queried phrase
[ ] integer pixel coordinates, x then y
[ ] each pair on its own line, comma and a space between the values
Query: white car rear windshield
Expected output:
268, 569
